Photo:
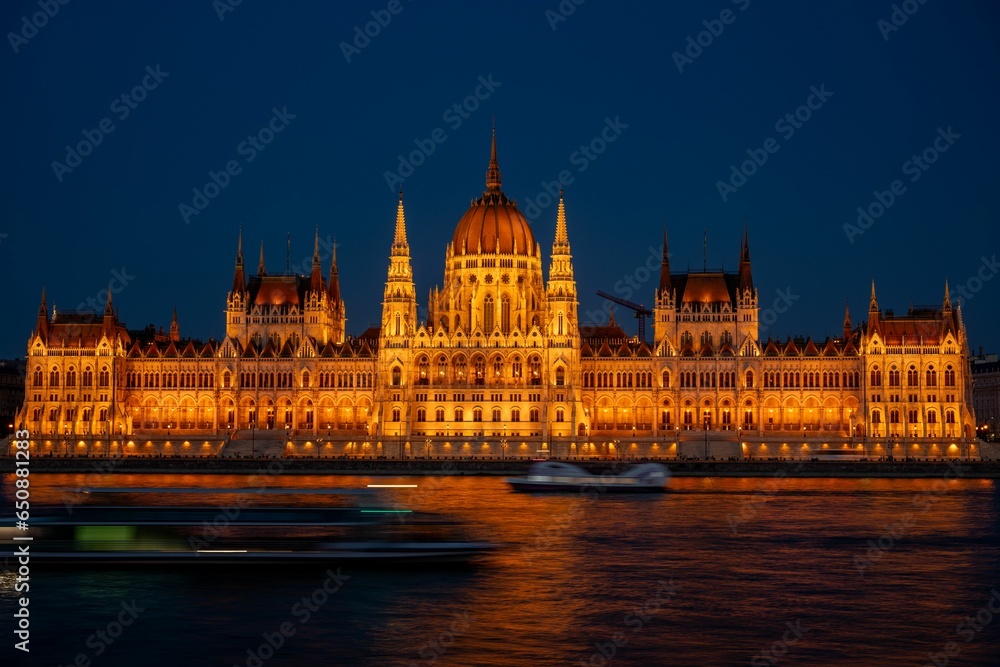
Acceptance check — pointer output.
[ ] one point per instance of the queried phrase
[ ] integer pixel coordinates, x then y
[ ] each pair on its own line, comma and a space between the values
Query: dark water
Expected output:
573, 574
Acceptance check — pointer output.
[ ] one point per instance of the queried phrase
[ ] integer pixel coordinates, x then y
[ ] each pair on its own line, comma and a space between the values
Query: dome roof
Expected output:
493, 223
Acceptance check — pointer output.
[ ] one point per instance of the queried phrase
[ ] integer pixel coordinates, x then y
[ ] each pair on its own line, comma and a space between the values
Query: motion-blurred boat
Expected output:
559, 476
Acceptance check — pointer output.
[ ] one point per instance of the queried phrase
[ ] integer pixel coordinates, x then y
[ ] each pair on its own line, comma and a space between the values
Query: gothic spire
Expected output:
947, 296
493, 179
873, 303
562, 233
665, 284
746, 274
239, 276
316, 279
175, 330
334, 276
261, 269
847, 321
399, 240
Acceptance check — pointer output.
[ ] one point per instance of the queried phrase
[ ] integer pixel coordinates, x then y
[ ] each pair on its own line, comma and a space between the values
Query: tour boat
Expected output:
204, 535
559, 476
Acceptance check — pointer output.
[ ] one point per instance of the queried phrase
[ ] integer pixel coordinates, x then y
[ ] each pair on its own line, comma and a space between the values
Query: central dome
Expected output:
493, 224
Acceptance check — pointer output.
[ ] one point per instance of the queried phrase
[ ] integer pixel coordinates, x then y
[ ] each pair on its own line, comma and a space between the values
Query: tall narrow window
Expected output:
488, 314
560, 329
505, 314
398, 318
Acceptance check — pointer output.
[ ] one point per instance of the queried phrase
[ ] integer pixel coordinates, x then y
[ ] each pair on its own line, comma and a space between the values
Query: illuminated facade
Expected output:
503, 359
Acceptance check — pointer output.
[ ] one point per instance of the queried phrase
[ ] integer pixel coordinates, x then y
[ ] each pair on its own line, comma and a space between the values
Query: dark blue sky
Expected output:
116, 215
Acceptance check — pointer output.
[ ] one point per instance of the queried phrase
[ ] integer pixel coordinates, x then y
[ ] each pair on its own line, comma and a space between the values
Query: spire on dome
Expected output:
493, 179
239, 277
261, 269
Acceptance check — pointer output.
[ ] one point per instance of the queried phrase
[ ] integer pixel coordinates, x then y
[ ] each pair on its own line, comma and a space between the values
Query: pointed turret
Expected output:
334, 277
239, 275
561, 287
261, 269
42, 327
316, 279
847, 321
493, 179
175, 330
665, 284
399, 244
873, 312
562, 233
947, 297
746, 275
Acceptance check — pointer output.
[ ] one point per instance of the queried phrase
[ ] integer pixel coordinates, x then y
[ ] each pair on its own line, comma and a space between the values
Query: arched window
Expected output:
395, 414
439, 415
36, 378
949, 417
515, 368
533, 415
931, 377
559, 328
912, 379
515, 415
560, 415
399, 318
560, 376
949, 376
442, 369
397, 376
535, 368
479, 365
227, 378
749, 379
88, 377
54, 378
496, 414
305, 378
459, 414
488, 314
477, 414
497, 367
421, 415
894, 377
505, 314
71, 377
931, 417
876, 416
876, 377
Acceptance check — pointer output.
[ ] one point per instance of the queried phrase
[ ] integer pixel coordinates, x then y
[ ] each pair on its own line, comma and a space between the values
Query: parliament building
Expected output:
502, 366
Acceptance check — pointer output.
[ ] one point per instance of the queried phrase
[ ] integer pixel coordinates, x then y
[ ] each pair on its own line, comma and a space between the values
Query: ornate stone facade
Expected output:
503, 363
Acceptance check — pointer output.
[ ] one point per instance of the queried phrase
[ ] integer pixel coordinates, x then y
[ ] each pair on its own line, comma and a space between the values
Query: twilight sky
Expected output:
699, 116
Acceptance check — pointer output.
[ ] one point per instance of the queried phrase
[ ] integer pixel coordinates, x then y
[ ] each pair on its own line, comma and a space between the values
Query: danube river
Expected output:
720, 571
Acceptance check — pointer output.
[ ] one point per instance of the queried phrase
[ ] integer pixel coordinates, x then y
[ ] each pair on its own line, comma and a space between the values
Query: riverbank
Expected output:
949, 469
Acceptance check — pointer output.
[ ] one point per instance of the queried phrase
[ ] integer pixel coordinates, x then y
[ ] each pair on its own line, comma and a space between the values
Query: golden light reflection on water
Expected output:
747, 556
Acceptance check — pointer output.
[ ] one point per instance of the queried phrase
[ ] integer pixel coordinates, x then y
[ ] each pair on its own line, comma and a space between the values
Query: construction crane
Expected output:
640, 311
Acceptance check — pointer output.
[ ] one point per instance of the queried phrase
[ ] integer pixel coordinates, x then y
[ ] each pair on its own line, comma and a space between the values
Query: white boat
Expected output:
559, 476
